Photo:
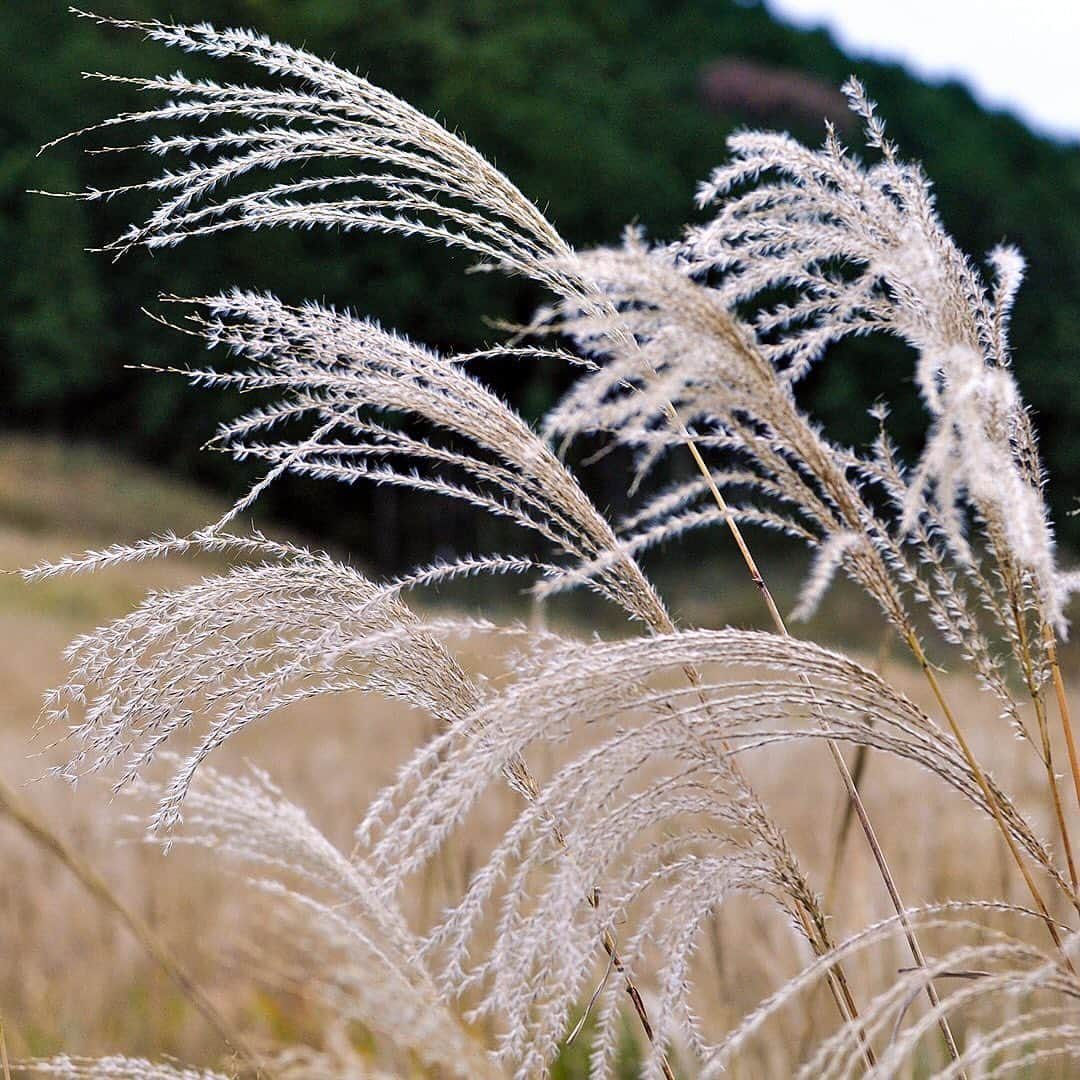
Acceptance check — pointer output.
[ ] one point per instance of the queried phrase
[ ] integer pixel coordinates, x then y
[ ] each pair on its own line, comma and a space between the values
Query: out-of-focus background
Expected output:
604, 113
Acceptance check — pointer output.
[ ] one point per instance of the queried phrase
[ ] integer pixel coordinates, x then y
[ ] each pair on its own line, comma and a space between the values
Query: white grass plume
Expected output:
229, 650
909, 279
423, 181
361, 960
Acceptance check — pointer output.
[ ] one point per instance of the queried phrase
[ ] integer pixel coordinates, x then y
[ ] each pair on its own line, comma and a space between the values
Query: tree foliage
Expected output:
602, 114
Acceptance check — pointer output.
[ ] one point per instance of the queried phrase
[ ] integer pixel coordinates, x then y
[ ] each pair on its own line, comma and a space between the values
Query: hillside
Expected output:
604, 115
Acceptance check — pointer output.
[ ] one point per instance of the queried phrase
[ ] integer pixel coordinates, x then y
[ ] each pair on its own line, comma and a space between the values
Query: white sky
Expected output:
1020, 55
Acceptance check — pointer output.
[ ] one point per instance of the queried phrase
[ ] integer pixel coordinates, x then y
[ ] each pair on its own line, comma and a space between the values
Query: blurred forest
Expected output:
604, 113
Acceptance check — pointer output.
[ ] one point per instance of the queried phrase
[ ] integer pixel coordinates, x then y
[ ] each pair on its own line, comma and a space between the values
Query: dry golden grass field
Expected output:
73, 979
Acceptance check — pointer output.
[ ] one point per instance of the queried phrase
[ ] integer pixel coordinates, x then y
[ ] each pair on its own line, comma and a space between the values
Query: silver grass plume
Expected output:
337, 373
423, 180
361, 960
908, 279
230, 650
649, 812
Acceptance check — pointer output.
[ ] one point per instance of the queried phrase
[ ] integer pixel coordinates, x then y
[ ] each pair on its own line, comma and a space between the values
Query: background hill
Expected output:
605, 114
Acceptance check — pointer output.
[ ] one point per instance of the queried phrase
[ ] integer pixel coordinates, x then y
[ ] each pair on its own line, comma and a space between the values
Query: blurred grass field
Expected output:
74, 980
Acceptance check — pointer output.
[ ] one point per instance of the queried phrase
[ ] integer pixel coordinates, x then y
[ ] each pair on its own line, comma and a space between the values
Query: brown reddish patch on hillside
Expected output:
760, 92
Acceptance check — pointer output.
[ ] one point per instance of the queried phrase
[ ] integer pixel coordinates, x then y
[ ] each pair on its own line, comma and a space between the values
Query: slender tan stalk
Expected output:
839, 986
1051, 779
839, 846
988, 794
634, 995
1046, 751
1063, 707
4, 1064
858, 767
159, 952
838, 758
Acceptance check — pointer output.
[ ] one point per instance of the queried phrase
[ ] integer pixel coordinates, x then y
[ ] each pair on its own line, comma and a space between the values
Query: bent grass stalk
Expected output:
1063, 707
1051, 781
858, 768
47, 839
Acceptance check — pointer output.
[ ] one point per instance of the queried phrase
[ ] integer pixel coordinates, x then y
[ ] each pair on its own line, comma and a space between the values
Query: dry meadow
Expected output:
75, 980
